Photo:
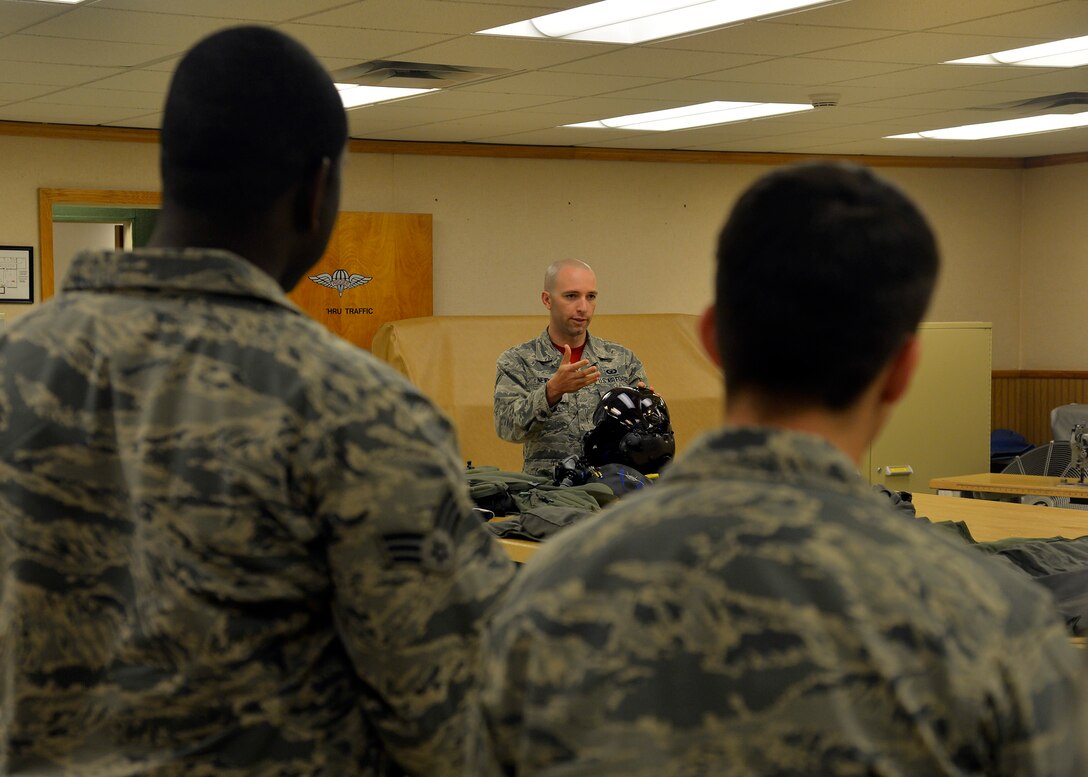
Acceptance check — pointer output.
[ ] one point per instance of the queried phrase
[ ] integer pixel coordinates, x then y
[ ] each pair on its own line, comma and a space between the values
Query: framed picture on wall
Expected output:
17, 274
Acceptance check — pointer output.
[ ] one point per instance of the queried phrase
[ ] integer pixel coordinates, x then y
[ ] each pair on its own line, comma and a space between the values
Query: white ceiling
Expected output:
108, 62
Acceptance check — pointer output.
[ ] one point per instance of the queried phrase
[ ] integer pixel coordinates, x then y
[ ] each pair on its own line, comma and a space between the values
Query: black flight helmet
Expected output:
630, 426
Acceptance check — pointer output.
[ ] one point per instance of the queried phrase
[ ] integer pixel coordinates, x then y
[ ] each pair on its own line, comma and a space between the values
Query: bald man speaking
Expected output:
547, 389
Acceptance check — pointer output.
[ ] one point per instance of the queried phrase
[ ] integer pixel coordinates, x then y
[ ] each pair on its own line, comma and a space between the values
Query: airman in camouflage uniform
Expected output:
761, 611
231, 543
522, 412
547, 389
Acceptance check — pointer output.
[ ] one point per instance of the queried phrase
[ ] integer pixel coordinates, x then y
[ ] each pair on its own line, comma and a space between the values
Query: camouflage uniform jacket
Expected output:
522, 413
762, 612
231, 543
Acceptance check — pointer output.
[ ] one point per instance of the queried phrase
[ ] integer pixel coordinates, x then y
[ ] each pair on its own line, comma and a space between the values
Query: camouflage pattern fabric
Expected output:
522, 414
231, 543
761, 612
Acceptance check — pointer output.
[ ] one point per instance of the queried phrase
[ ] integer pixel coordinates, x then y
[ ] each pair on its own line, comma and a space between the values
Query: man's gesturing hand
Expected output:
570, 377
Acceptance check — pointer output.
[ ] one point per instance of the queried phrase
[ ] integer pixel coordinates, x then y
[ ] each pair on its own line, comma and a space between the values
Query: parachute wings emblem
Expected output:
340, 280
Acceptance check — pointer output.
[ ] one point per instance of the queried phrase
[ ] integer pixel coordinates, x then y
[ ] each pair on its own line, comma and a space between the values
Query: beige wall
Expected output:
69, 238
649, 231
1054, 299
34, 163
647, 228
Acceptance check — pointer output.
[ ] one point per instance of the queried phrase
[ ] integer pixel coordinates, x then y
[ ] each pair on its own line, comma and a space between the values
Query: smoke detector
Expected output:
824, 100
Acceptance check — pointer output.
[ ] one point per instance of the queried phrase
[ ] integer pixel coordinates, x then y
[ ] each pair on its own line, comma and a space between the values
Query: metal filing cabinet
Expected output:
942, 425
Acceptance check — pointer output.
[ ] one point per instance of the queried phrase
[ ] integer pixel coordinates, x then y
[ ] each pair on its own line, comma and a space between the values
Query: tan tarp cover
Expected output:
452, 359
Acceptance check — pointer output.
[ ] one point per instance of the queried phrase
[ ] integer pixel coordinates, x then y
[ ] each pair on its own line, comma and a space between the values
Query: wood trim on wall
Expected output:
1079, 374
597, 154
1056, 159
500, 151
78, 132
1021, 400
362, 146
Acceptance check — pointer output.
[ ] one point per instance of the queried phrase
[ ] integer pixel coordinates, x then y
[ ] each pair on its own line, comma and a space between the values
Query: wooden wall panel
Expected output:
394, 251
1021, 400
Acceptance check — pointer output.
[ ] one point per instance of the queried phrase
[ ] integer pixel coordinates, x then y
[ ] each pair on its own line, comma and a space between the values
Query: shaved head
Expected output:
554, 268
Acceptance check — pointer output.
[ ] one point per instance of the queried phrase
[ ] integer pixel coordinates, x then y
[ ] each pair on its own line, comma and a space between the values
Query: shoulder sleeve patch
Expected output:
433, 551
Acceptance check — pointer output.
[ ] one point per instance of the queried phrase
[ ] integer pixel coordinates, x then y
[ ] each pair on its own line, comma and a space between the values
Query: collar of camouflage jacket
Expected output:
547, 354
206, 270
768, 456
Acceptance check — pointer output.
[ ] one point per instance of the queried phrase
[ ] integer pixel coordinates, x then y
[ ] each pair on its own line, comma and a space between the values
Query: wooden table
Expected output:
987, 520
1012, 485
519, 550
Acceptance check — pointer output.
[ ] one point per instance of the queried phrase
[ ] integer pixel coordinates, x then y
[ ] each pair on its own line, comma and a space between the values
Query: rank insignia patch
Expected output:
433, 551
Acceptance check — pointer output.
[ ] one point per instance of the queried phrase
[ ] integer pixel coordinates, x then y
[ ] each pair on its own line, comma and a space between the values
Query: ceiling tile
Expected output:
550, 82
407, 113
64, 114
1008, 147
880, 56
557, 136
147, 121
102, 24
547, 5
56, 75
936, 77
10, 93
1050, 22
770, 39
106, 98
799, 139
482, 102
65, 51
920, 48
804, 71
687, 139
157, 81
692, 91
536, 7
436, 16
167, 65
17, 16
949, 100
474, 128
517, 53
594, 108
266, 11
1041, 81
909, 15
359, 45
655, 62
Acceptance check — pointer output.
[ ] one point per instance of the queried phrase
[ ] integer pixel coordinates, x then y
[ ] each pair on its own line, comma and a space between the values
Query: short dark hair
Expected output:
249, 113
824, 270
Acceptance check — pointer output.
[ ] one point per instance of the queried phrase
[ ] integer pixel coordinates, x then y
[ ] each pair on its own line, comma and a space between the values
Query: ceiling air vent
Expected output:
1066, 102
413, 75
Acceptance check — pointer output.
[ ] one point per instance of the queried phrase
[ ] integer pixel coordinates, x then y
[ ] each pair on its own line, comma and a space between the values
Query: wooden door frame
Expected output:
97, 197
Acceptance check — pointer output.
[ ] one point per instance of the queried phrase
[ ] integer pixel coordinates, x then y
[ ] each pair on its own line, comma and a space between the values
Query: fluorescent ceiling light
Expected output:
701, 115
64, 2
354, 95
1071, 52
1031, 125
637, 21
